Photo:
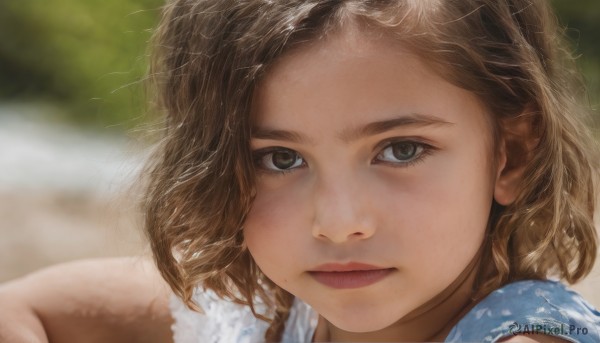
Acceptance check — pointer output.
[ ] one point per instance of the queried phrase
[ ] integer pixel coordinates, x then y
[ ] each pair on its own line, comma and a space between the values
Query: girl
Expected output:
353, 170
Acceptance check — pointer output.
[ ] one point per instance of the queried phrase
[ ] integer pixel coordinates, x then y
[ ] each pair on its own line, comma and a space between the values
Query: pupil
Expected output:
404, 151
283, 159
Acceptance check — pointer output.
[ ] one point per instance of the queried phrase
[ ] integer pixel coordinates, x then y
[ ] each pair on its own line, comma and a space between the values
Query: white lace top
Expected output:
226, 322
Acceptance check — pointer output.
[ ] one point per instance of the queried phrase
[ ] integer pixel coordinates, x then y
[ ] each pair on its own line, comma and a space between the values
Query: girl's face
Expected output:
366, 160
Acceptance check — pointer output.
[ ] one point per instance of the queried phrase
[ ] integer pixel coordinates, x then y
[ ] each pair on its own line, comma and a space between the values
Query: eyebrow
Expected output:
353, 134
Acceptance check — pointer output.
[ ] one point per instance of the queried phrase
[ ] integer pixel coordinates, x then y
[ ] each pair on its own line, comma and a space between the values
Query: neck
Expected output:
431, 321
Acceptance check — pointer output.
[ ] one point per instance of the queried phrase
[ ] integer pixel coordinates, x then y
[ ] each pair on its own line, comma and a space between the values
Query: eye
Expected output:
278, 159
402, 153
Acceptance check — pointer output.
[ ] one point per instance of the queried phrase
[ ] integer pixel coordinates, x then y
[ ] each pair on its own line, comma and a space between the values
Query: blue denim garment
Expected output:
529, 307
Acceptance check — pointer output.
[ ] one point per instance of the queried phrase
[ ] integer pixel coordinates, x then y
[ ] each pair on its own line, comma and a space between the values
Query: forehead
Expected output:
352, 78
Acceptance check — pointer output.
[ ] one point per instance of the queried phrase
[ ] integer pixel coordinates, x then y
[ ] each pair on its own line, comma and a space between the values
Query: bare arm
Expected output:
105, 300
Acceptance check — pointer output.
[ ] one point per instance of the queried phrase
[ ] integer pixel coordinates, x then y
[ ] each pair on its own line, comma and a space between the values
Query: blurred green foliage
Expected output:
88, 56
582, 20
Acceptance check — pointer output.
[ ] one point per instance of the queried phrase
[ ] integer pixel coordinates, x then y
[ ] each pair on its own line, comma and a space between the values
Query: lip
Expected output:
349, 275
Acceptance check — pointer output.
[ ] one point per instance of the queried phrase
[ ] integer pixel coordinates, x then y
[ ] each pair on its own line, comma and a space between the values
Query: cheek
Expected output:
272, 230
275, 210
442, 208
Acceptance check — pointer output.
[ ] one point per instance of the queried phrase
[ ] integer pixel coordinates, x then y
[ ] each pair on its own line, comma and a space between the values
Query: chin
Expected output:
361, 321
360, 326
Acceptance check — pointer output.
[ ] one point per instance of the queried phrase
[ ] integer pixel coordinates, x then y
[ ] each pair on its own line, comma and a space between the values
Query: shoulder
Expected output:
530, 307
225, 321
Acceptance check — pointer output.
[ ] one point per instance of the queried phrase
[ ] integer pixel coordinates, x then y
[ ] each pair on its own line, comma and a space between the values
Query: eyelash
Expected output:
260, 155
423, 150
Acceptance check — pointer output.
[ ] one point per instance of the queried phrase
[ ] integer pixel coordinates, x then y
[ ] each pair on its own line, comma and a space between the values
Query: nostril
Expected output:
339, 228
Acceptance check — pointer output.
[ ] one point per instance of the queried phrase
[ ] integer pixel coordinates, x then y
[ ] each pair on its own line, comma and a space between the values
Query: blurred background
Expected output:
73, 122
71, 110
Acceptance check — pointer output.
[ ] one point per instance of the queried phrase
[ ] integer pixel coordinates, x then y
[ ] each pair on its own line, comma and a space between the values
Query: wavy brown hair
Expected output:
210, 55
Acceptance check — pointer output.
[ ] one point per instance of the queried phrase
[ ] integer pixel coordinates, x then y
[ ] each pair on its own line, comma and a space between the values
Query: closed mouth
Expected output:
351, 278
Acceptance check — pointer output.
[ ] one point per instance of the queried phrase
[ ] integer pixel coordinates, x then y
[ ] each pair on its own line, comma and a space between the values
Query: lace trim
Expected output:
227, 322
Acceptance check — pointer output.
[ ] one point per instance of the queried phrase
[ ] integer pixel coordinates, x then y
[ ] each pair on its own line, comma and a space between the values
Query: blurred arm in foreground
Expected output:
103, 300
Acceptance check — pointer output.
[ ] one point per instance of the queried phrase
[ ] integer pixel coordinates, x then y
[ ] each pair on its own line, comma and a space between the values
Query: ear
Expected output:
518, 140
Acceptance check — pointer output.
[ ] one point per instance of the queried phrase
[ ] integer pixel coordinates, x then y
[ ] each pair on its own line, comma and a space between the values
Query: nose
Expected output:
342, 210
